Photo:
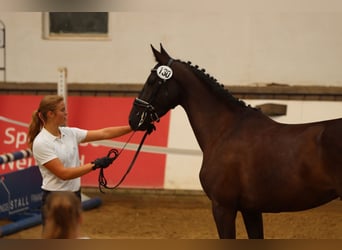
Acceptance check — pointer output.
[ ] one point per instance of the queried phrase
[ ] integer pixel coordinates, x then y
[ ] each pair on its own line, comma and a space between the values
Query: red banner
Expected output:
88, 113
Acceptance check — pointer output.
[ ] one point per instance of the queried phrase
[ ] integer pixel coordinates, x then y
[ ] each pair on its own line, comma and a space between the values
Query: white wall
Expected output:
238, 44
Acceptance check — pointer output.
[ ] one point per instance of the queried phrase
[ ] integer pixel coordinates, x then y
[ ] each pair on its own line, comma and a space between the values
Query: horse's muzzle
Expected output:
142, 115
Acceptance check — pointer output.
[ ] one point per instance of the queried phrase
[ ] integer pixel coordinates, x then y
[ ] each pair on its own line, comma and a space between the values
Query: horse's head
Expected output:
159, 94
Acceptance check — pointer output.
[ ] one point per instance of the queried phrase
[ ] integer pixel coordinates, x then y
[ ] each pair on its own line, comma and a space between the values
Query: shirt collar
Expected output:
51, 136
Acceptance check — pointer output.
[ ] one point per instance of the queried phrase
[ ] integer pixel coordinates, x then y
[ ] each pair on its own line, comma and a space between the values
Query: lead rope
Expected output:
102, 179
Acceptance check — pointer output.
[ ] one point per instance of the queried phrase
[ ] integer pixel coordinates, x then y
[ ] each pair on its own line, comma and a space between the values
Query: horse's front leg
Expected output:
254, 225
225, 221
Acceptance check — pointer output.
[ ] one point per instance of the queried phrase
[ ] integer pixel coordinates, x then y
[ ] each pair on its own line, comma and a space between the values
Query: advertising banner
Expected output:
89, 113
20, 192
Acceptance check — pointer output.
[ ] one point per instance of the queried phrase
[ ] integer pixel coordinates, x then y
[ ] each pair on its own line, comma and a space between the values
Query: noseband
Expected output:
164, 73
149, 110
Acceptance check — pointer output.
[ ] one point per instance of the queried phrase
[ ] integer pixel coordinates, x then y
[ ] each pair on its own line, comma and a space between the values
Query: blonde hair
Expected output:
62, 212
39, 117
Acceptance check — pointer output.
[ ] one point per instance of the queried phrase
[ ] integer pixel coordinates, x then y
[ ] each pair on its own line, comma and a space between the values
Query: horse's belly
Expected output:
273, 203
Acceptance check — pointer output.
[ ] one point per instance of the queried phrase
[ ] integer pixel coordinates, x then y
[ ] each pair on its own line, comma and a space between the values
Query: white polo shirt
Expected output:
47, 147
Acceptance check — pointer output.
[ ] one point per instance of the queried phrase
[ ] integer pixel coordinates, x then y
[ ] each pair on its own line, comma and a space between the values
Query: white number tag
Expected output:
164, 72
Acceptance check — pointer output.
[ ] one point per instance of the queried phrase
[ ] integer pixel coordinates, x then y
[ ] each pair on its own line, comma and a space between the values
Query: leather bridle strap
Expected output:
149, 109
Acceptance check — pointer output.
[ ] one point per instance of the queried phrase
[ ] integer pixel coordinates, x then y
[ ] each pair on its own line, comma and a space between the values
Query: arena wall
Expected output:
154, 169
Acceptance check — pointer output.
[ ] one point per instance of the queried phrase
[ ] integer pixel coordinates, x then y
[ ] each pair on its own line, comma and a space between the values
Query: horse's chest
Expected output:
218, 180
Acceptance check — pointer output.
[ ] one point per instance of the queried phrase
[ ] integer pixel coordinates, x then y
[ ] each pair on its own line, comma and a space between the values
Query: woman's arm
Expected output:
106, 133
58, 169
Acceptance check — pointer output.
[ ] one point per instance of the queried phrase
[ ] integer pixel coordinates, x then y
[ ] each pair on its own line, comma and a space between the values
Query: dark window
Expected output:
78, 22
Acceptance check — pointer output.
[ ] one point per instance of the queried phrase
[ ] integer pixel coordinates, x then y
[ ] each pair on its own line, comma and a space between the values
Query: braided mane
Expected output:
217, 87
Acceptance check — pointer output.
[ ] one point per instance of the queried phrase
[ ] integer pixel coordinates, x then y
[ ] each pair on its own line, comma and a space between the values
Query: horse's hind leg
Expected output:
225, 221
254, 224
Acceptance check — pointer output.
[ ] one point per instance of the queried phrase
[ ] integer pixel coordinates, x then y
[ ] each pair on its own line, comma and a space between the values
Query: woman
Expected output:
55, 146
63, 216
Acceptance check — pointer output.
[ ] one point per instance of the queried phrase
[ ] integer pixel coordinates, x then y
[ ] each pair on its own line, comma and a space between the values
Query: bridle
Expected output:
164, 73
149, 110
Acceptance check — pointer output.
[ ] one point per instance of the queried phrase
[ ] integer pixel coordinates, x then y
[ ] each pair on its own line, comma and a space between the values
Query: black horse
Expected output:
251, 163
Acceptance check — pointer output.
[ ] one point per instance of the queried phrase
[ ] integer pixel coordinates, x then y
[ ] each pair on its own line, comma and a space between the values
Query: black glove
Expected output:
143, 127
150, 128
133, 126
103, 162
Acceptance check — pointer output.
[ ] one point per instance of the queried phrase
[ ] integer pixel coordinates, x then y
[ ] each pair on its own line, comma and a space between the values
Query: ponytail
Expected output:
34, 128
39, 117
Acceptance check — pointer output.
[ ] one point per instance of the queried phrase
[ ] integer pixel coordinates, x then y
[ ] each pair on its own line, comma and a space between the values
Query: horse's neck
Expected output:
210, 117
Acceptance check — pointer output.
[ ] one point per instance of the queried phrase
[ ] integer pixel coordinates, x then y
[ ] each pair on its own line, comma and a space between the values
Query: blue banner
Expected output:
20, 192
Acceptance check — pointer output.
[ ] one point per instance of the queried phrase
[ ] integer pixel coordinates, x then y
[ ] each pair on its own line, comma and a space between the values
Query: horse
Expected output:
251, 164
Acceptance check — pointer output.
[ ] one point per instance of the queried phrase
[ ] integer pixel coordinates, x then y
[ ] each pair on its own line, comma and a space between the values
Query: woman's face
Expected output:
60, 114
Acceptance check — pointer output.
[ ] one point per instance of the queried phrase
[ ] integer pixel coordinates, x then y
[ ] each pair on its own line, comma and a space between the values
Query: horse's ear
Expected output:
163, 51
161, 57
156, 53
